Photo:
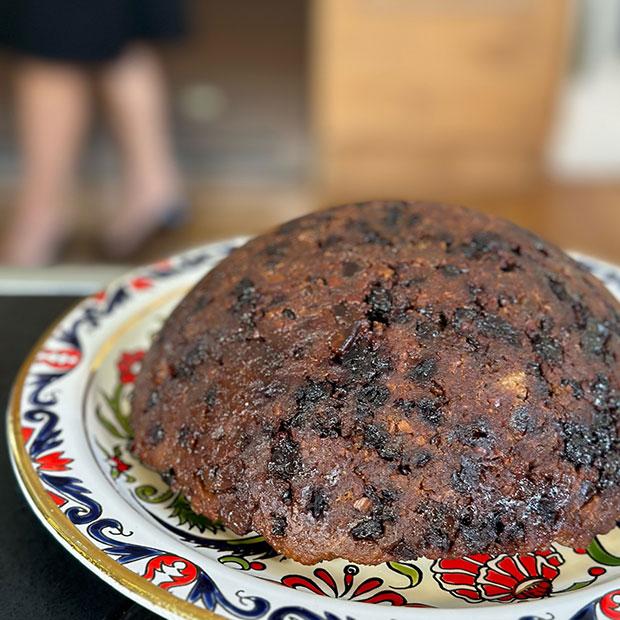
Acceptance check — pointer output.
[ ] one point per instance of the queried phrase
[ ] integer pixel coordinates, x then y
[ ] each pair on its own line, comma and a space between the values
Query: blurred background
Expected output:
132, 129
279, 107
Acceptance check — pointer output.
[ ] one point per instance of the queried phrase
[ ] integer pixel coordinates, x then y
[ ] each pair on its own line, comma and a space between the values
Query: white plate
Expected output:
70, 447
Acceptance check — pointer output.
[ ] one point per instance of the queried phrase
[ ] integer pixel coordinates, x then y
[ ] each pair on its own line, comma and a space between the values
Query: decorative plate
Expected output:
70, 436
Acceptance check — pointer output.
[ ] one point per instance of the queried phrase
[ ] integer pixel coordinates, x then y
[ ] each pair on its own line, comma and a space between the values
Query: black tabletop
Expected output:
39, 578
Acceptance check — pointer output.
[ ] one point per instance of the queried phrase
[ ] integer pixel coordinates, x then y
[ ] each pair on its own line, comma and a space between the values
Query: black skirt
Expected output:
86, 30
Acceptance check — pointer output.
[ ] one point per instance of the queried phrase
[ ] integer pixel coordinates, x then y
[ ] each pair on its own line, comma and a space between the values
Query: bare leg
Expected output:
52, 106
134, 90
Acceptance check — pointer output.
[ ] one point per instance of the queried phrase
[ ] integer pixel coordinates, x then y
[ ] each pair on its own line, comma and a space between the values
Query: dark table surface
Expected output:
40, 579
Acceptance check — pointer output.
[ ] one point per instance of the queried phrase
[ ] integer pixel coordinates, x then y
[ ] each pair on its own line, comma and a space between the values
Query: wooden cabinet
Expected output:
420, 98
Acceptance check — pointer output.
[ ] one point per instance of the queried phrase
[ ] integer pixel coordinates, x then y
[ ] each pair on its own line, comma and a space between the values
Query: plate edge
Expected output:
116, 575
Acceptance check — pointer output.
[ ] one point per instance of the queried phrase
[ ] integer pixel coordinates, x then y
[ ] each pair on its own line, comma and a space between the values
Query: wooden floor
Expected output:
583, 217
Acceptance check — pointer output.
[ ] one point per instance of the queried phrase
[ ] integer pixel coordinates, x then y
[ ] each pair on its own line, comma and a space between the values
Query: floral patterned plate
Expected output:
69, 434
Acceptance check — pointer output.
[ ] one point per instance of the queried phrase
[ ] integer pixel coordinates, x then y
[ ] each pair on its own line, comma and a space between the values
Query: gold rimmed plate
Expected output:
69, 433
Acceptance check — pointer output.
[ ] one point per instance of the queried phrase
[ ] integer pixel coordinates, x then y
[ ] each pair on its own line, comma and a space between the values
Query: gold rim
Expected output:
80, 545
59, 524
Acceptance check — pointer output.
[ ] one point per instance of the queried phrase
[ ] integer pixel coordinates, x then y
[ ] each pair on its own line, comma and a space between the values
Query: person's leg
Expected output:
134, 92
52, 107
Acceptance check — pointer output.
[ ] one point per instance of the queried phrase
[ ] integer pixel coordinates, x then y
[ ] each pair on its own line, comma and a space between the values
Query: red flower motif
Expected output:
610, 605
163, 266
326, 585
59, 501
141, 283
62, 359
257, 566
129, 366
170, 571
54, 461
119, 464
504, 578
27, 433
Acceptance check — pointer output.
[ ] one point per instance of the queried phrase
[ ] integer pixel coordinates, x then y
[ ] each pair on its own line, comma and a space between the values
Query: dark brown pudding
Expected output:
389, 380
